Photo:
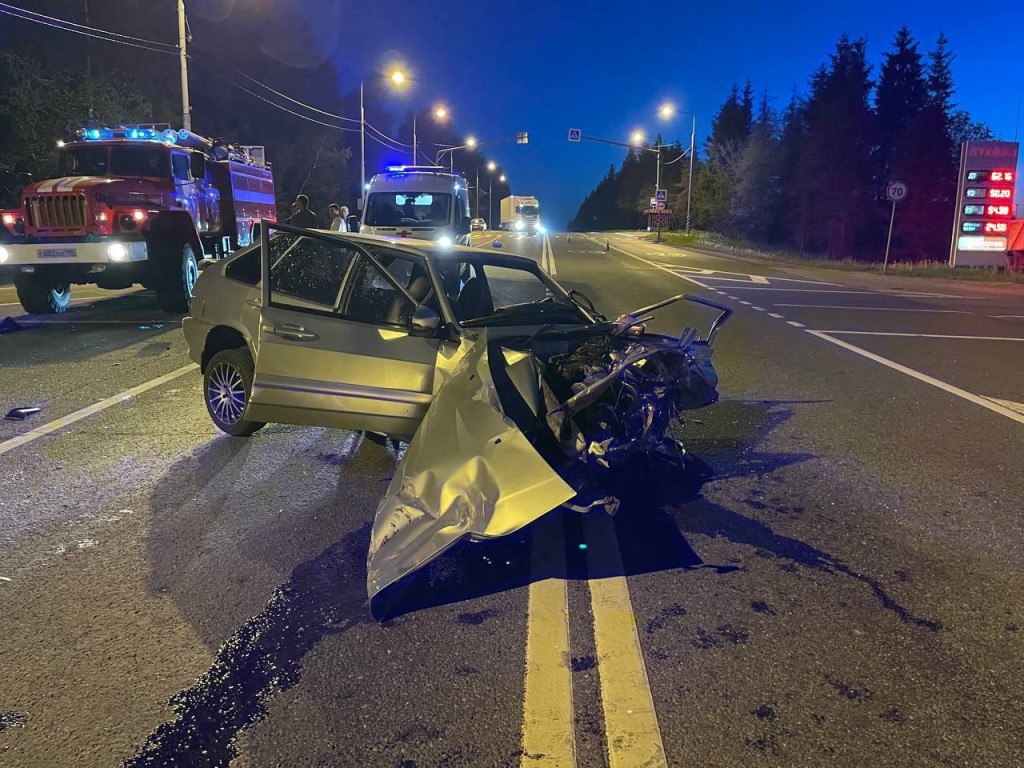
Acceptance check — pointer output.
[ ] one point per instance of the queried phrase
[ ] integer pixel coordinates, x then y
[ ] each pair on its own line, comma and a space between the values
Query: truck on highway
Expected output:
521, 213
133, 204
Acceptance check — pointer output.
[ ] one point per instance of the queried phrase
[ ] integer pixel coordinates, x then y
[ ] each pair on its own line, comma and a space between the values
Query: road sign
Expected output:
659, 220
988, 173
661, 195
575, 134
523, 137
896, 191
659, 206
653, 201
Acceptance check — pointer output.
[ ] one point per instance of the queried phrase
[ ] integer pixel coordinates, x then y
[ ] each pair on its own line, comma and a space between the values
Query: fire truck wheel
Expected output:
179, 271
40, 295
227, 385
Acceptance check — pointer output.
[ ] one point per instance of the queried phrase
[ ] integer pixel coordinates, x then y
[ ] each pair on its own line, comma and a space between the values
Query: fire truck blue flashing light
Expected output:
396, 168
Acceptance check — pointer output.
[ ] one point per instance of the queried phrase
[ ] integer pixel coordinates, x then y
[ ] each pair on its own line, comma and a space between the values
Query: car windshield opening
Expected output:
408, 209
140, 161
84, 161
482, 293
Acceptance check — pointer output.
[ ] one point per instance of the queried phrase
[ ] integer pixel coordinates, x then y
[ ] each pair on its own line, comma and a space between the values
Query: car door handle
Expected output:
293, 331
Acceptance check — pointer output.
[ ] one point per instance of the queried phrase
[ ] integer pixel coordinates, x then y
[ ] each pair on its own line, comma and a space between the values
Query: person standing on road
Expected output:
338, 215
302, 216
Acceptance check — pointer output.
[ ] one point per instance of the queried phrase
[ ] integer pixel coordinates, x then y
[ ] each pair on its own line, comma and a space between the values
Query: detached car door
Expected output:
334, 346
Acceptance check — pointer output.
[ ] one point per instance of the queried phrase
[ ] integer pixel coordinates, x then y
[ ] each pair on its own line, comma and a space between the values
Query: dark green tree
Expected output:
834, 184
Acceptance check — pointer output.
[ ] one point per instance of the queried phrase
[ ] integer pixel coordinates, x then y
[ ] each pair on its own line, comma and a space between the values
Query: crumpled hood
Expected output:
473, 469
469, 471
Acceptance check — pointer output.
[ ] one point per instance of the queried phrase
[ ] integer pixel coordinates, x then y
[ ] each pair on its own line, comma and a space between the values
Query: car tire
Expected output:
227, 386
178, 271
41, 296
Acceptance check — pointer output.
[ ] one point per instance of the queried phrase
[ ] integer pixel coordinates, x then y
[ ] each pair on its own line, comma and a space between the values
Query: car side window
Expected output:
245, 268
307, 273
373, 298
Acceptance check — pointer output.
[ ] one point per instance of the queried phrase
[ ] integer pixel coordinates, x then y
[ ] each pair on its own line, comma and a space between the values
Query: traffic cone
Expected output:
606, 246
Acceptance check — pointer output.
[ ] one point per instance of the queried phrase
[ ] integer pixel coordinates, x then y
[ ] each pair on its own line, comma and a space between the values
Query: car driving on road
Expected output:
478, 225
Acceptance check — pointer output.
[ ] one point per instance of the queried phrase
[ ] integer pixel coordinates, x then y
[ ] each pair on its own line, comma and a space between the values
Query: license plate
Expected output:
57, 253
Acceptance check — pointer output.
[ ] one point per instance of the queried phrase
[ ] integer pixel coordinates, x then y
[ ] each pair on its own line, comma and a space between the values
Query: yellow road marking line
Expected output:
548, 727
631, 724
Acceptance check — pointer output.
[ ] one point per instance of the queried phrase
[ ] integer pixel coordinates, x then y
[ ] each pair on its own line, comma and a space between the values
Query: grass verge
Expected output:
933, 269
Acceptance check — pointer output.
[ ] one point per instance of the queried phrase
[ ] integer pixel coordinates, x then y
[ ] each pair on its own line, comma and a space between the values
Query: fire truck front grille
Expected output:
56, 213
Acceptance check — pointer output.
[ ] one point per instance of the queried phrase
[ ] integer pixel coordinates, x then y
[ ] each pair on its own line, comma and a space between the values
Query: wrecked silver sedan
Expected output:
509, 389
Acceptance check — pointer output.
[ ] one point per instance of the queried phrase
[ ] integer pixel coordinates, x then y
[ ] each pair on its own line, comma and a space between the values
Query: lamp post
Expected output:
491, 167
470, 144
490, 210
399, 79
667, 111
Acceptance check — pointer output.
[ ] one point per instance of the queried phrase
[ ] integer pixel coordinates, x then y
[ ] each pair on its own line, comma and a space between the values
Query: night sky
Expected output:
605, 67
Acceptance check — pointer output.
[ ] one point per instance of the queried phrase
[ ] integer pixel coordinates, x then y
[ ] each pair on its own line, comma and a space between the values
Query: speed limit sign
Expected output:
896, 191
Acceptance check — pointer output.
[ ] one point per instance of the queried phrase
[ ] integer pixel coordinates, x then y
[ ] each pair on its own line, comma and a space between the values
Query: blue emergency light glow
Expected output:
396, 168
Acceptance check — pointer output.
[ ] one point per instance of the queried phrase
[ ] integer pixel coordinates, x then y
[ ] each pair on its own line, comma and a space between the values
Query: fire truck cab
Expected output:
139, 204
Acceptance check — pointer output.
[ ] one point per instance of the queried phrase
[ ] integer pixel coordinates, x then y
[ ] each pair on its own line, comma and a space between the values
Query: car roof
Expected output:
428, 249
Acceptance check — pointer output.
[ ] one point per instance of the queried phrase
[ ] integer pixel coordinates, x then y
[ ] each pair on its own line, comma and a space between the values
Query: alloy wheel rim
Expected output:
226, 393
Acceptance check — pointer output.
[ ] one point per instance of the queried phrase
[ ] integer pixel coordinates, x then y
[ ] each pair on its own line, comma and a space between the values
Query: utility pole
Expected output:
689, 185
362, 147
186, 109
88, 59
414, 139
478, 190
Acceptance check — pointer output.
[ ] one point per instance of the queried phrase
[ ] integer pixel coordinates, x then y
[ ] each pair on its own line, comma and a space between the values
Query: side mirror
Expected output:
353, 223
424, 321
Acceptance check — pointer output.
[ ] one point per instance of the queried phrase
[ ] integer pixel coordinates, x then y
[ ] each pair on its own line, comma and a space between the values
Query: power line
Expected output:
274, 104
110, 37
285, 96
80, 29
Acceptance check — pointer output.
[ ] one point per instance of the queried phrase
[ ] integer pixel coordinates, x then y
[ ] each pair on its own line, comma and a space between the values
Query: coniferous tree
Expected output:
834, 180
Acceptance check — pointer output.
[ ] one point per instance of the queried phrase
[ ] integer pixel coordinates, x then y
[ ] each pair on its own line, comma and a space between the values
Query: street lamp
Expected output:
667, 111
471, 143
636, 137
441, 113
399, 79
492, 167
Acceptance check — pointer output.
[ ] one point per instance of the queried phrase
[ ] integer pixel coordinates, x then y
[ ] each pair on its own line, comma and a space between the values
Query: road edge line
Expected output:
82, 413
984, 402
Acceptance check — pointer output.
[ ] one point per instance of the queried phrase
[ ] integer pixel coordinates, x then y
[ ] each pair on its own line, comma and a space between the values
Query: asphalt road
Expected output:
833, 579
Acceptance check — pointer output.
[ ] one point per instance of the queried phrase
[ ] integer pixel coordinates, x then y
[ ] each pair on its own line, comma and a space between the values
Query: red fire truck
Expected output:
136, 204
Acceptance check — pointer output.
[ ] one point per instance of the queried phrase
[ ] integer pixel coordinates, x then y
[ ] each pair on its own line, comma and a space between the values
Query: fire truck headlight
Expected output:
117, 252
4, 255
8, 219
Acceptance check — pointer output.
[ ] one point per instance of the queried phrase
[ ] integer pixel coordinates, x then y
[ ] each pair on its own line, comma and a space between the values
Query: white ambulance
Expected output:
422, 202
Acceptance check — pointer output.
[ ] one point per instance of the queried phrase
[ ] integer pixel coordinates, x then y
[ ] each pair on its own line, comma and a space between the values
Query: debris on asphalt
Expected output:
9, 324
10, 720
22, 413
